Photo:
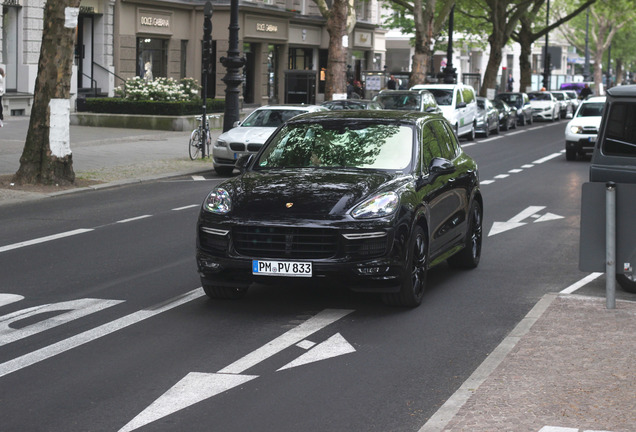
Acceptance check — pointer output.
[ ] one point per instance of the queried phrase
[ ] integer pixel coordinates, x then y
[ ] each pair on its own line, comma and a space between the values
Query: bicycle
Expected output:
198, 143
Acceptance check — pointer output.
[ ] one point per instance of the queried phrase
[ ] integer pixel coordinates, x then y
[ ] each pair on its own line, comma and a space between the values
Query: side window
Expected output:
430, 147
458, 97
445, 140
621, 130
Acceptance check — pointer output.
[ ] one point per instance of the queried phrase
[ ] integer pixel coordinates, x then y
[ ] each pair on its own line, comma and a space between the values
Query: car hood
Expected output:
586, 121
247, 134
302, 193
541, 104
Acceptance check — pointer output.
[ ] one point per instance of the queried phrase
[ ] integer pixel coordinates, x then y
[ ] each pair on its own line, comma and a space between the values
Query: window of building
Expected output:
10, 36
152, 58
184, 56
300, 58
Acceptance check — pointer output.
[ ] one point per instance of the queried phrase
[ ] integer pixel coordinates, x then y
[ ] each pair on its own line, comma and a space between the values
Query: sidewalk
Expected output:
106, 156
569, 366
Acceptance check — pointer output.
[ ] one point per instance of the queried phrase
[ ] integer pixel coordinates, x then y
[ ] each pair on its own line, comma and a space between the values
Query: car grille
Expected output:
240, 147
590, 130
282, 242
237, 146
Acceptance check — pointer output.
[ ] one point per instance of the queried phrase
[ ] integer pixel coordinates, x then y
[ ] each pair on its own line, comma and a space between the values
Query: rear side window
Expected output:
468, 95
620, 138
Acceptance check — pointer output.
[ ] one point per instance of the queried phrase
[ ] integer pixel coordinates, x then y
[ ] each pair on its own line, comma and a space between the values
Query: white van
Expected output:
458, 105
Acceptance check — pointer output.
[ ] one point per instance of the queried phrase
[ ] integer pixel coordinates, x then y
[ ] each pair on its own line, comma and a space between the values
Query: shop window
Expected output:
152, 58
323, 56
300, 58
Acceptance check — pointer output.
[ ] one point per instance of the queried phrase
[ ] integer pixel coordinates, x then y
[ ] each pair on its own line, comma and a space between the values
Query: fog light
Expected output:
370, 271
209, 264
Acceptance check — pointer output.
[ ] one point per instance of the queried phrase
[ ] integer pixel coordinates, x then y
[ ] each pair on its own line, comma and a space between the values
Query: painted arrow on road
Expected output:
516, 221
197, 386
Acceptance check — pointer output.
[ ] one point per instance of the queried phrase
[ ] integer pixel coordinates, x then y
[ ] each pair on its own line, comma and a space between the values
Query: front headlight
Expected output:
218, 201
576, 129
381, 205
221, 143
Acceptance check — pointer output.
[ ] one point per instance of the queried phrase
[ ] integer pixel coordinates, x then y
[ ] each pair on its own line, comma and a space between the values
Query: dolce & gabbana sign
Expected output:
154, 21
266, 27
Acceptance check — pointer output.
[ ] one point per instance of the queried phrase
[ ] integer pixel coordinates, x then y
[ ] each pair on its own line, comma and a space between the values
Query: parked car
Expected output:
407, 100
507, 115
249, 135
544, 106
614, 156
574, 99
521, 102
351, 104
487, 117
458, 105
565, 104
369, 200
582, 130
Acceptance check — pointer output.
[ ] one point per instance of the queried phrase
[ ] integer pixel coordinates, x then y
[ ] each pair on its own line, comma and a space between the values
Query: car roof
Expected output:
299, 107
439, 86
595, 99
622, 91
371, 115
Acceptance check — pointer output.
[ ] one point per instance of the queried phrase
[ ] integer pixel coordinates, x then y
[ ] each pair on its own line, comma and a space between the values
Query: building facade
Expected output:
284, 43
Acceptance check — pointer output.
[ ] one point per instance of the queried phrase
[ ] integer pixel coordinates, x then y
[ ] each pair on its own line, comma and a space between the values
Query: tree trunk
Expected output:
525, 64
492, 68
336, 79
46, 158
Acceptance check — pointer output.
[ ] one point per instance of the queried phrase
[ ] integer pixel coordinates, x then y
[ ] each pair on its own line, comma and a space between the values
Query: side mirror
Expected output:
236, 124
440, 166
243, 162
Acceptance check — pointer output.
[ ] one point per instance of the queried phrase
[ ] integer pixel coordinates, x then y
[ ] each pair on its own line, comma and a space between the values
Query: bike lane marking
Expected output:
44, 239
60, 347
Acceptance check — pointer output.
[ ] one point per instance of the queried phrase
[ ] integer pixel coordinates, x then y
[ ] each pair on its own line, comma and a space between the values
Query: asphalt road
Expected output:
104, 326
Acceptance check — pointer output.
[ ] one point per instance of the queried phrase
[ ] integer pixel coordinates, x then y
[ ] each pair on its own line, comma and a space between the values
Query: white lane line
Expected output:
575, 286
515, 133
60, 347
490, 139
198, 178
515, 171
486, 182
133, 219
547, 158
468, 144
502, 176
44, 239
185, 207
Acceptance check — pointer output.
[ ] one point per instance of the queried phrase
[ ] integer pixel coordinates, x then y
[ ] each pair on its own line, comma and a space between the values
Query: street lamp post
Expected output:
206, 63
450, 77
233, 63
546, 57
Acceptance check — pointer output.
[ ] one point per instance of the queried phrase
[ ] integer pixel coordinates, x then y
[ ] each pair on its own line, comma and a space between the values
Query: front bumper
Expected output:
580, 143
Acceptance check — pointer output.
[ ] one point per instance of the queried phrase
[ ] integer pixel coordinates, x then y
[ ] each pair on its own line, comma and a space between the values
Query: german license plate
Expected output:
281, 268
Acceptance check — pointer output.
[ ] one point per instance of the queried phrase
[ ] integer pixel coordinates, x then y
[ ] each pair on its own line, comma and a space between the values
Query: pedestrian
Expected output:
1, 94
510, 82
585, 92
392, 84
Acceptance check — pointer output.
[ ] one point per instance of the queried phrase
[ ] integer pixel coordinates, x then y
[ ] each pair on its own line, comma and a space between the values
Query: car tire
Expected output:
487, 130
471, 135
628, 283
497, 127
570, 154
224, 292
470, 255
223, 170
523, 120
413, 280
531, 120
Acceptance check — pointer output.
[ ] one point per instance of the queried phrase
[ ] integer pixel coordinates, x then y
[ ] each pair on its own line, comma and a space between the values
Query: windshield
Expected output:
269, 117
340, 144
591, 110
404, 102
512, 99
539, 96
443, 97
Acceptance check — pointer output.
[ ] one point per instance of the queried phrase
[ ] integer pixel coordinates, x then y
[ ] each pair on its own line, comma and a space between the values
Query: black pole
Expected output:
546, 57
233, 79
586, 70
205, 69
609, 65
449, 71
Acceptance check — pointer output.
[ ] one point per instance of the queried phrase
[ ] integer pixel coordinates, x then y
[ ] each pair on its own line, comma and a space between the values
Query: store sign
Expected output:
89, 7
264, 27
152, 21
11, 3
364, 39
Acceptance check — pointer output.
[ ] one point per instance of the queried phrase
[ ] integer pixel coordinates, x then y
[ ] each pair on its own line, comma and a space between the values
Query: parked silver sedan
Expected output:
250, 134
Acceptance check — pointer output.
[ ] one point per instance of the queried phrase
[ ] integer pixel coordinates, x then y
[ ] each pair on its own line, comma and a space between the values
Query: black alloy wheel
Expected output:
468, 258
627, 282
413, 283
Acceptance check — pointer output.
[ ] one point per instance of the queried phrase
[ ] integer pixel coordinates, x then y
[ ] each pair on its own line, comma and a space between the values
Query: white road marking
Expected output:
198, 178
526, 166
185, 207
486, 182
515, 221
292, 337
44, 239
134, 219
6, 299
34, 357
491, 139
575, 286
197, 386
547, 158
515, 171
502, 176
